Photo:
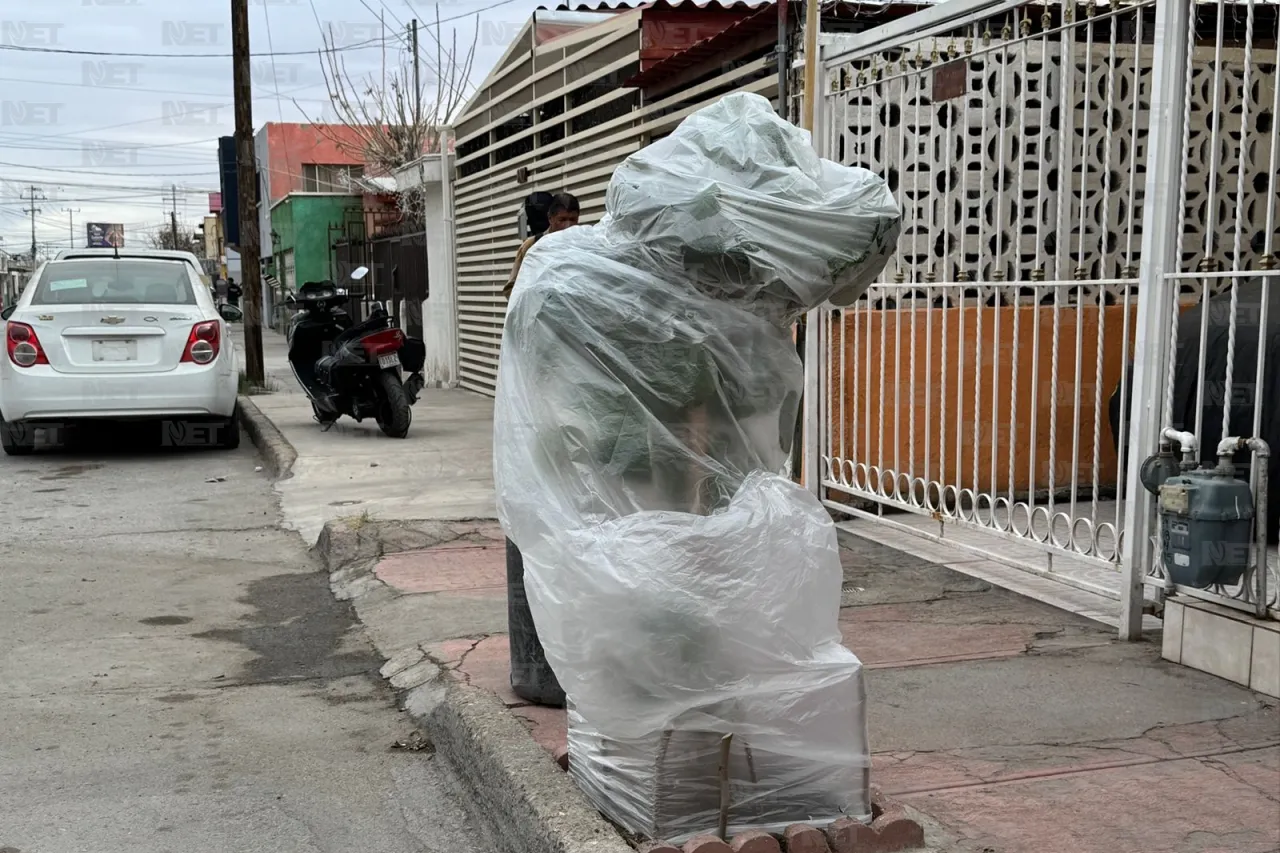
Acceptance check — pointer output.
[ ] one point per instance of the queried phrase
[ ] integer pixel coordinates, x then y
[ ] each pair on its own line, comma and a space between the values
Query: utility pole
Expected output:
33, 195
417, 85
173, 217
250, 263
71, 225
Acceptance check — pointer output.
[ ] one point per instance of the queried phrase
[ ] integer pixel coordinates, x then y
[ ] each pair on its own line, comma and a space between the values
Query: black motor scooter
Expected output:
349, 368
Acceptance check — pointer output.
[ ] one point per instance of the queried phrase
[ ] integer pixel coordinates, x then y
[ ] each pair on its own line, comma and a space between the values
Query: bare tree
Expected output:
393, 121
162, 238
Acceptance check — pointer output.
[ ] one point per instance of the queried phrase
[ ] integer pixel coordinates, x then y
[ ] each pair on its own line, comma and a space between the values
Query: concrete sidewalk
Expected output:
442, 469
1014, 726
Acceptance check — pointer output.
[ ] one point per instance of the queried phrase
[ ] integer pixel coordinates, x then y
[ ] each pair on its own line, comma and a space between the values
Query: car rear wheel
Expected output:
229, 432
18, 439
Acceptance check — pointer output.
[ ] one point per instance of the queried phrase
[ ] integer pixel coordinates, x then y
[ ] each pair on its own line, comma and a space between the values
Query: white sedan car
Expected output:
128, 338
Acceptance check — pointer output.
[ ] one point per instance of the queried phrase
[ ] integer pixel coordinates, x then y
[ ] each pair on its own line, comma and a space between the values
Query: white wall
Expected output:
261, 157
440, 308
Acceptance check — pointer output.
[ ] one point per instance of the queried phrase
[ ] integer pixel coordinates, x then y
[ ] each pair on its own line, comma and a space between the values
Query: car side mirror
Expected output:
8, 312
230, 313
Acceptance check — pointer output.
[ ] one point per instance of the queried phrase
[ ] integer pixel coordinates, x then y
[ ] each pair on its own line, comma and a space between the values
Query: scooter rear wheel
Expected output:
394, 414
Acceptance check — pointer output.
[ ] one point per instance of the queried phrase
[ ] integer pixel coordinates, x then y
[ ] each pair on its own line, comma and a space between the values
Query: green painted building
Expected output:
304, 227
303, 232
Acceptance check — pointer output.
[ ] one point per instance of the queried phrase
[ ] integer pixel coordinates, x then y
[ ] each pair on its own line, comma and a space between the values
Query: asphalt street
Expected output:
176, 676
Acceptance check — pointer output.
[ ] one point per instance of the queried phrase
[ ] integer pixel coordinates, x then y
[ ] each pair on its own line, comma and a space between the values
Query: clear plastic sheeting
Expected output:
687, 594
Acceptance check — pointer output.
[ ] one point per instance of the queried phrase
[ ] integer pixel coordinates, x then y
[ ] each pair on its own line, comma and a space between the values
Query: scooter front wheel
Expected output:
394, 414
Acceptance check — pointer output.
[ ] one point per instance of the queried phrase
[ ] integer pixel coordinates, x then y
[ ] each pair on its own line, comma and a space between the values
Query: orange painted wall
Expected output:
289, 146
978, 427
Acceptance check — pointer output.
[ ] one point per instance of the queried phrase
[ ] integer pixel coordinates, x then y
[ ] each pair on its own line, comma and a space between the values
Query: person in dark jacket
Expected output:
563, 213
531, 676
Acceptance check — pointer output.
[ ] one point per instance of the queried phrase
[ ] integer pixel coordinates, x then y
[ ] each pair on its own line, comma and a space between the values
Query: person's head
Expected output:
563, 212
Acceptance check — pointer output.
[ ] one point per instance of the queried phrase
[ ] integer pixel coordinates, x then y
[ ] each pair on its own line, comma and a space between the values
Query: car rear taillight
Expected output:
203, 343
381, 343
23, 345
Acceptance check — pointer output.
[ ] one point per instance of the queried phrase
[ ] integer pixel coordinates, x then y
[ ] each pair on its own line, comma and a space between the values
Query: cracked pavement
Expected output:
1014, 726
1072, 742
176, 676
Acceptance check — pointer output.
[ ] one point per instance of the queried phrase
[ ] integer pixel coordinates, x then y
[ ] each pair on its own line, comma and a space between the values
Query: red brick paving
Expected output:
547, 725
482, 663
446, 568
1169, 791
1167, 807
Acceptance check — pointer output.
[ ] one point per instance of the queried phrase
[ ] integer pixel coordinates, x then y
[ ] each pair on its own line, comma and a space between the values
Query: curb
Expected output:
276, 451
512, 788
523, 801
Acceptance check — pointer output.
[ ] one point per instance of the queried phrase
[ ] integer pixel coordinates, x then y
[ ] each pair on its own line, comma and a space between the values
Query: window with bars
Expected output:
322, 178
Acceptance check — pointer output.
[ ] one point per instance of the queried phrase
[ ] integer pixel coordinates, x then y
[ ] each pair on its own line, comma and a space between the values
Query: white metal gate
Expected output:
968, 398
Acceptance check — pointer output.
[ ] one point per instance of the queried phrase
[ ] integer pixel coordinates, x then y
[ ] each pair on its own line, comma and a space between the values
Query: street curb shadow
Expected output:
275, 449
512, 788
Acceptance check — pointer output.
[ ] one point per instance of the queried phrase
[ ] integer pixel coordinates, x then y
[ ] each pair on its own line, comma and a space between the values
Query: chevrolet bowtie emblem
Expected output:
112, 321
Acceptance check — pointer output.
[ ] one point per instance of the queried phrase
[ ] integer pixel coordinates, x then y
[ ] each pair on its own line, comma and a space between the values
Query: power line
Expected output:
367, 43
136, 122
145, 146
488, 8
131, 88
117, 187
205, 173
96, 169
140, 199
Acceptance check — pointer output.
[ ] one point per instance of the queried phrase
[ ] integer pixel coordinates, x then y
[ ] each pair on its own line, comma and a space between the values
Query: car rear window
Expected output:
114, 282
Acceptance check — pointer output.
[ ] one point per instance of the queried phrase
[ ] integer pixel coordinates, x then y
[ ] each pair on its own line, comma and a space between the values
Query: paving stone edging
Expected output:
514, 790
276, 451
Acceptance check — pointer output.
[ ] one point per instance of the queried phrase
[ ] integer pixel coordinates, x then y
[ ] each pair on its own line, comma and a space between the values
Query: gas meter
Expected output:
1207, 522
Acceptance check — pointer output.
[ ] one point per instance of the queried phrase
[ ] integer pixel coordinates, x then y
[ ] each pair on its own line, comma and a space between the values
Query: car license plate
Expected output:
386, 362
115, 351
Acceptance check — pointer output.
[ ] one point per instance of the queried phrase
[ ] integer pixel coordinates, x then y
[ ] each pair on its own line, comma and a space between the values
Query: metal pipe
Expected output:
811, 25
1228, 448
784, 43
447, 164
1188, 442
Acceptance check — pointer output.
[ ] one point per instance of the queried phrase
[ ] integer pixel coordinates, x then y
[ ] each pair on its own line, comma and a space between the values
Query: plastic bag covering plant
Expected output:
685, 592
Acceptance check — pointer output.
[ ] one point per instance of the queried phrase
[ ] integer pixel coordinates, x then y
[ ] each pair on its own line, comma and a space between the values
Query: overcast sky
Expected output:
107, 136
